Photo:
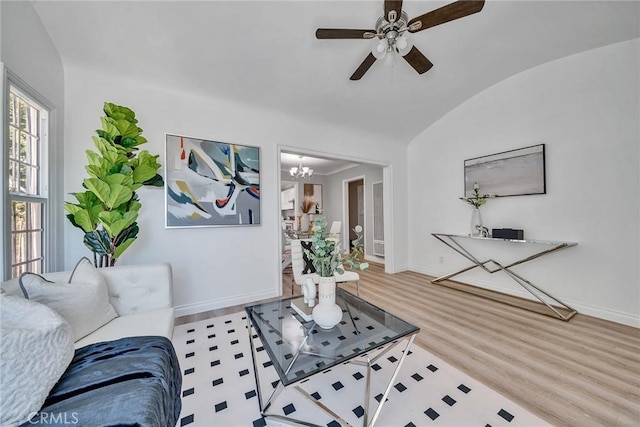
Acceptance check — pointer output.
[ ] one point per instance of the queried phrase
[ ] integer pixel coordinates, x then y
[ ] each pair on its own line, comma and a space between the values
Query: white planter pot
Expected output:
327, 313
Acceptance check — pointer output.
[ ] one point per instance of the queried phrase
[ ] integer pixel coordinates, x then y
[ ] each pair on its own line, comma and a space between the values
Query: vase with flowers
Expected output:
476, 200
327, 258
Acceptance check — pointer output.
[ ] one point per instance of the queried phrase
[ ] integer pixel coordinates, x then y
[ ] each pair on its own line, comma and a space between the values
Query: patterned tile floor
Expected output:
219, 387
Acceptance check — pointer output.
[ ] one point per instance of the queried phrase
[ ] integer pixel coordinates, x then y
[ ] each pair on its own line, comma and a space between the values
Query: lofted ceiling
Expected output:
265, 53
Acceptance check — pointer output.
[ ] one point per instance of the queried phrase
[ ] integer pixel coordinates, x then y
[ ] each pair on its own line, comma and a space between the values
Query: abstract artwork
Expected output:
510, 173
211, 183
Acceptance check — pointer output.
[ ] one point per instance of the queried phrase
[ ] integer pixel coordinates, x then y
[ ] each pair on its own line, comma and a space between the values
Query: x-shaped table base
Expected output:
540, 294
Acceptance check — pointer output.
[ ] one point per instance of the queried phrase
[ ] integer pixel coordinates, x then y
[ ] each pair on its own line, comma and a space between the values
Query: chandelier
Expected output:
301, 171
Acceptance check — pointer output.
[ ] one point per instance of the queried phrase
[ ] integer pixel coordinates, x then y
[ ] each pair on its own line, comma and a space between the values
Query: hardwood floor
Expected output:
585, 372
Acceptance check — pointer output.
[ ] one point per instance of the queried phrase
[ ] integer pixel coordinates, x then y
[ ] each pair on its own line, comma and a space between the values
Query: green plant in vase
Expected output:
326, 255
107, 211
476, 200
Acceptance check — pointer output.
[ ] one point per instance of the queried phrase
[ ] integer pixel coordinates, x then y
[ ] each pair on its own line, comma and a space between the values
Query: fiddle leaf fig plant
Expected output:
107, 211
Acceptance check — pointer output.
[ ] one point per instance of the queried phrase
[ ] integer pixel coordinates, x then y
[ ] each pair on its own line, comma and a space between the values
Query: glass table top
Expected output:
299, 349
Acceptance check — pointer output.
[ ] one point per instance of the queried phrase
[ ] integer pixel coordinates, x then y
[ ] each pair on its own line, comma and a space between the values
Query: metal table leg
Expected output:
367, 421
534, 290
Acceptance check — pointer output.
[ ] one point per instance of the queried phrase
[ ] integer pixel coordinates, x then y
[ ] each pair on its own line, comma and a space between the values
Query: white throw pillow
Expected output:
36, 345
83, 301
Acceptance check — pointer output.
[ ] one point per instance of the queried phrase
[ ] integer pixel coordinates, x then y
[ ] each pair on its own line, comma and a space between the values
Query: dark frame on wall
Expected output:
516, 172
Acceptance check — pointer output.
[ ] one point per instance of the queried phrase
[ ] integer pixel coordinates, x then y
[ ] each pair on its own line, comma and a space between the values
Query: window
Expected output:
27, 182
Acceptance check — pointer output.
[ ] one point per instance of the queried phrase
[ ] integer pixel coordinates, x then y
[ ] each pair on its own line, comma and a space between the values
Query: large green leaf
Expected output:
86, 199
143, 172
98, 187
113, 156
122, 247
83, 220
156, 181
119, 112
118, 195
109, 127
98, 242
127, 129
104, 134
128, 142
112, 195
114, 222
118, 178
93, 157
124, 239
97, 171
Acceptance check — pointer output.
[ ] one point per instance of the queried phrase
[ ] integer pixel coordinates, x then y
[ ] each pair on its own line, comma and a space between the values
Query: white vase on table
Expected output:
327, 313
476, 222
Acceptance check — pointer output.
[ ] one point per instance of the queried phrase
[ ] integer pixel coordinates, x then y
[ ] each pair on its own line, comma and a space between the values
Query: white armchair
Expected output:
297, 266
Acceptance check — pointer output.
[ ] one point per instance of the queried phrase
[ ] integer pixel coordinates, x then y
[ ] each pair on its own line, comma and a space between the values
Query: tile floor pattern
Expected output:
219, 388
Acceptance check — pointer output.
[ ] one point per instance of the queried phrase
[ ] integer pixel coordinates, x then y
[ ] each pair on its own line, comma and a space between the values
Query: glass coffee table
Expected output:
365, 334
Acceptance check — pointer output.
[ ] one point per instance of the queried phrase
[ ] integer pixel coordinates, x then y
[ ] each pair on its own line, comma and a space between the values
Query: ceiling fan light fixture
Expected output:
402, 43
380, 49
391, 28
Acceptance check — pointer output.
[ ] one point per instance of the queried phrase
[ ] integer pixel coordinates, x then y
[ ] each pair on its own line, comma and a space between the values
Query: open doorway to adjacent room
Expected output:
347, 190
355, 208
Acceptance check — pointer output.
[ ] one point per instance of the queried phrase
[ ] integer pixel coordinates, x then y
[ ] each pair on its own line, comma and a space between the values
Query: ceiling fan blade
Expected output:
418, 61
366, 64
390, 5
338, 33
447, 13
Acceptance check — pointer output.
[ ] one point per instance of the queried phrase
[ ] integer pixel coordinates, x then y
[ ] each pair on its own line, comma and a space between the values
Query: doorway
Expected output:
355, 212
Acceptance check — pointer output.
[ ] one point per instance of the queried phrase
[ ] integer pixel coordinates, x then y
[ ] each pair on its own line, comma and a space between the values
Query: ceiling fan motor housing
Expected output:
391, 30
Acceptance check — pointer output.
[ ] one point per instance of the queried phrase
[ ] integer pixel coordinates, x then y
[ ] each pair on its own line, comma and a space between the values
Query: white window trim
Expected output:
49, 243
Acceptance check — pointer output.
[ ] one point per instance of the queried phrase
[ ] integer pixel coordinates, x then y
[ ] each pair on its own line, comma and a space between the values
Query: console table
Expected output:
454, 241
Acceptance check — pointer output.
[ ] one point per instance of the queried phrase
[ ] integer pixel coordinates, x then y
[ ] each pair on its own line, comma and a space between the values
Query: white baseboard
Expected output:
374, 258
600, 313
214, 304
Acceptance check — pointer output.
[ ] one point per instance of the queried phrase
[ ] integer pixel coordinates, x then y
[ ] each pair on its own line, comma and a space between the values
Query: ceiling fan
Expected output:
390, 30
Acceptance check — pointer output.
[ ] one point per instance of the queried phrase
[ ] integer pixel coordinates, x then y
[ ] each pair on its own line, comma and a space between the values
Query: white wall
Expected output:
213, 267
585, 108
28, 53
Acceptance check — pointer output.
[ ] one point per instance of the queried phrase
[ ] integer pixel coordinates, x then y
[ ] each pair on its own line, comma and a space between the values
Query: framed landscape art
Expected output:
211, 183
510, 173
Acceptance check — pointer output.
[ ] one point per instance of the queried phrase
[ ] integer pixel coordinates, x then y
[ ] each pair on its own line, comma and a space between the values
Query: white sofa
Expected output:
140, 294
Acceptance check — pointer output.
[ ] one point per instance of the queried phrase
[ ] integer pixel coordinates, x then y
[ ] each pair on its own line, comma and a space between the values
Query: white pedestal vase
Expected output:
327, 313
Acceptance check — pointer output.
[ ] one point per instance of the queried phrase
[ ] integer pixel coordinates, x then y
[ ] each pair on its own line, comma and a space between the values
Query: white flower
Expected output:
476, 186
358, 228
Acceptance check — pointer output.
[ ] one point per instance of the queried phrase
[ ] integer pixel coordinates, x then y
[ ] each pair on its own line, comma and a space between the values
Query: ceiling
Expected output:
320, 166
265, 53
